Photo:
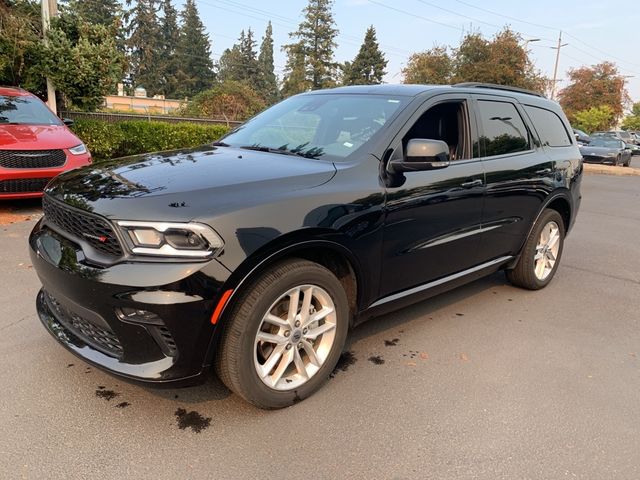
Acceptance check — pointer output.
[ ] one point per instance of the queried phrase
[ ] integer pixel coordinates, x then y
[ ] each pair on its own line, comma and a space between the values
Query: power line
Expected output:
389, 7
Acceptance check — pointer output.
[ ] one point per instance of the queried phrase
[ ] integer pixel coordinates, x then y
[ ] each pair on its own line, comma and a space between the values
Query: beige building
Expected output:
140, 103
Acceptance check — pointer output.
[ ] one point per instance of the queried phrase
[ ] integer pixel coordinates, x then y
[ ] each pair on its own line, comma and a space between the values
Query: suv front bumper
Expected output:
84, 308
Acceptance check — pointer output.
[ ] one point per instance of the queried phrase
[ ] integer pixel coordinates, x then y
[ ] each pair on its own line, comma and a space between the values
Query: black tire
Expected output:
628, 162
235, 356
616, 161
523, 274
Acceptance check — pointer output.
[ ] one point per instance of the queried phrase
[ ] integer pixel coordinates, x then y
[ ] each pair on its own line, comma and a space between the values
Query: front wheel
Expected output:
616, 161
285, 334
541, 253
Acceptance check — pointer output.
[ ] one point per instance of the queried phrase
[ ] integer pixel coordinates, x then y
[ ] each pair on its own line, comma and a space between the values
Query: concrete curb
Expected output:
595, 169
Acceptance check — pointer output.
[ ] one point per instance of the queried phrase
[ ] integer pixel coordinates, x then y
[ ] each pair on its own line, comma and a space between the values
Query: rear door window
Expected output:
549, 126
503, 130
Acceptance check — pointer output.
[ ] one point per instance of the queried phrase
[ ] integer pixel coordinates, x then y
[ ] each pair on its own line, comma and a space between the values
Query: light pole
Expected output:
530, 40
555, 67
49, 9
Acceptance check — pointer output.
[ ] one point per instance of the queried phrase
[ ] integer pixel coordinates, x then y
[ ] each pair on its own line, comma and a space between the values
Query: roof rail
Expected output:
498, 87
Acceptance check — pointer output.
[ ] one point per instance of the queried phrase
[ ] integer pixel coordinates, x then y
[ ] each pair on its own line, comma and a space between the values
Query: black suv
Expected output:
258, 253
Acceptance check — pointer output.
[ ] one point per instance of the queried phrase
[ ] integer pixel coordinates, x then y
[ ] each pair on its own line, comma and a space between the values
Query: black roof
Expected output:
408, 90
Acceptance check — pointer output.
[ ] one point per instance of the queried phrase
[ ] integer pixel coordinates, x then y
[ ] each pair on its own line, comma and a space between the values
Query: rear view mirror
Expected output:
422, 154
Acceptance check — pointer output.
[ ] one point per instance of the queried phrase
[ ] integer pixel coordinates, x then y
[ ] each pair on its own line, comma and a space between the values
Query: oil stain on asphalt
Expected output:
106, 394
192, 420
391, 343
123, 405
376, 359
344, 362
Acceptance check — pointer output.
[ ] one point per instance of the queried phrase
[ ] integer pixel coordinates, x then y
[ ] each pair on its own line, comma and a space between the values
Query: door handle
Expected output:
544, 171
472, 183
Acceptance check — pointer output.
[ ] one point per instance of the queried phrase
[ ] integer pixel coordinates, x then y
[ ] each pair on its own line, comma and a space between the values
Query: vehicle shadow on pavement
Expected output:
13, 211
422, 310
213, 389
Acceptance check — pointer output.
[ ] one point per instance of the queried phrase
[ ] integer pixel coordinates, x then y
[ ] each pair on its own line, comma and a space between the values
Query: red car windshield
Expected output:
25, 110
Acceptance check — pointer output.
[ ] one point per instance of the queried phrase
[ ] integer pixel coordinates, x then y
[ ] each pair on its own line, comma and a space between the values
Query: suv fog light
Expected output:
134, 315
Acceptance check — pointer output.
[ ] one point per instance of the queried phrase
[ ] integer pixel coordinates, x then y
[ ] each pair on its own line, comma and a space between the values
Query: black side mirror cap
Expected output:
422, 154
68, 122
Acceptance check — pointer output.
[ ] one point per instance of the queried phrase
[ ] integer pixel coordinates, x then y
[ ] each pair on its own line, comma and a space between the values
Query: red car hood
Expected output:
36, 137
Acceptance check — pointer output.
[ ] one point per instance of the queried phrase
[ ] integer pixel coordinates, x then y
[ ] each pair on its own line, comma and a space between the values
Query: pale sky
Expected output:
594, 30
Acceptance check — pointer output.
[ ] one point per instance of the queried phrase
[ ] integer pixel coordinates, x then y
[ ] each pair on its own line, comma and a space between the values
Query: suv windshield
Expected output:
606, 142
25, 110
315, 126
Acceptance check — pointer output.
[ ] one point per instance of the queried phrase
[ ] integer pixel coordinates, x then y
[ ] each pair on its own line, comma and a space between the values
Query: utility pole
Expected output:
49, 9
555, 68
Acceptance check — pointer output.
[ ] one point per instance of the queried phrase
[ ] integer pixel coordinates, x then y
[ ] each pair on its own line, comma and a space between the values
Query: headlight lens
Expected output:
79, 149
192, 240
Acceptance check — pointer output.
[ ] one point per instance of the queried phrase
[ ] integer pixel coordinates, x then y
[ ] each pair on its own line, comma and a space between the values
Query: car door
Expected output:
432, 218
519, 175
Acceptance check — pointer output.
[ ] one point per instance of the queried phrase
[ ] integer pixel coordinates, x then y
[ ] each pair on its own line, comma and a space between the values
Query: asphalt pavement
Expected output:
485, 382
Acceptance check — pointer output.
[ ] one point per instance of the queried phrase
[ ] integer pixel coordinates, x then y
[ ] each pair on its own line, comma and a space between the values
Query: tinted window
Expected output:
24, 110
549, 126
503, 129
315, 126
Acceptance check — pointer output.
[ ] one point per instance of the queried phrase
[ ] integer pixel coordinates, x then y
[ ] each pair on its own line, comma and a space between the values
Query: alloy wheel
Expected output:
295, 337
547, 250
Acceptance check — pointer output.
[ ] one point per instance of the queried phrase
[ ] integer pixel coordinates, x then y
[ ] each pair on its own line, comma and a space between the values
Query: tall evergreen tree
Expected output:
295, 73
98, 12
368, 66
268, 82
145, 48
316, 37
170, 35
239, 63
193, 53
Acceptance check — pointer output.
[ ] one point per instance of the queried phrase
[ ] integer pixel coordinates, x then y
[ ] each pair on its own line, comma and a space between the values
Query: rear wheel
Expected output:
628, 162
541, 254
284, 335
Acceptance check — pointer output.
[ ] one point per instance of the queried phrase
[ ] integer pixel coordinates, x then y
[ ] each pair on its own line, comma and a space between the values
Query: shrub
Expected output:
110, 140
231, 100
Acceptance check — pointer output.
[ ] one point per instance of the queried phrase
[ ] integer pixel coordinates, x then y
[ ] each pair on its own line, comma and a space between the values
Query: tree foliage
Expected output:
599, 85
434, 66
194, 53
310, 58
268, 83
169, 37
145, 47
85, 69
240, 63
20, 34
231, 100
368, 67
594, 119
501, 60
632, 121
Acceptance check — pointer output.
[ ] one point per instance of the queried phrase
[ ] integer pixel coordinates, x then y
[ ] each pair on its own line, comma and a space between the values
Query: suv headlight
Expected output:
78, 149
192, 240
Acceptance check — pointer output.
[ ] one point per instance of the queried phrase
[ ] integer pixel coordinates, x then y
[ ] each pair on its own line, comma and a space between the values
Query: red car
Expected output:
35, 145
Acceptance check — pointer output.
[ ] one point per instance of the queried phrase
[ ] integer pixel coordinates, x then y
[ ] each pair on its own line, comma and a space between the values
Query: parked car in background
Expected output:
606, 149
635, 149
582, 137
35, 145
622, 135
256, 254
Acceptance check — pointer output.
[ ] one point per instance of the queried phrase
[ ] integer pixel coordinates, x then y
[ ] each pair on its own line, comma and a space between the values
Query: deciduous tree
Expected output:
597, 85
594, 118
433, 66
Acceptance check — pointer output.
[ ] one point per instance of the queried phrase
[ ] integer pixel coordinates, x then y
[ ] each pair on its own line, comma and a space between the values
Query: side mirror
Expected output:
422, 154
68, 122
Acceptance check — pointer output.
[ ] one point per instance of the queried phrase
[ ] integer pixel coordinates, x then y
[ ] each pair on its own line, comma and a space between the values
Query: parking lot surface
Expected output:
488, 381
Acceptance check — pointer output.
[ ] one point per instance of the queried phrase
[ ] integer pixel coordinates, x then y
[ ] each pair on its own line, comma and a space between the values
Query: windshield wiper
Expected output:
220, 144
280, 151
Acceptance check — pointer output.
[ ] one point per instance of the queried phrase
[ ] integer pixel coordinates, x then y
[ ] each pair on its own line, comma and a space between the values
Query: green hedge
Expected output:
111, 140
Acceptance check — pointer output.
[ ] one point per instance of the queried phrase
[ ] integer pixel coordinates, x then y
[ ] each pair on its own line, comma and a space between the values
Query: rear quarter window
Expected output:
549, 126
504, 131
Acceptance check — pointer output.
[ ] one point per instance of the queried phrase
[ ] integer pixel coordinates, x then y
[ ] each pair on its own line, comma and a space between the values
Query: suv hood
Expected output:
186, 184
36, 137
603, 151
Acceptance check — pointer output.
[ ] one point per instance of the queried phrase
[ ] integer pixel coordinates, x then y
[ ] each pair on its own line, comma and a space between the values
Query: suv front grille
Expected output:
23, 185
99, 338
93, 229
32, 158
